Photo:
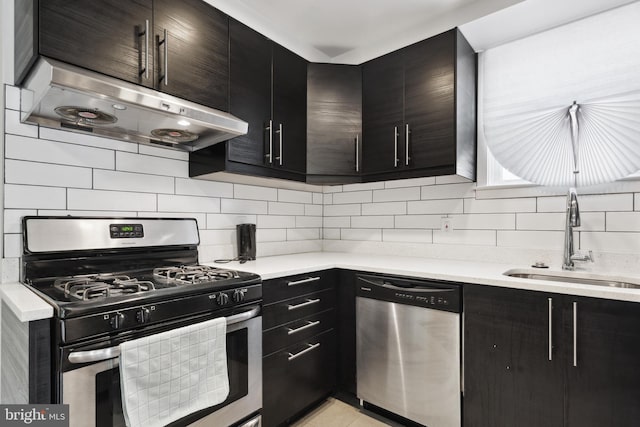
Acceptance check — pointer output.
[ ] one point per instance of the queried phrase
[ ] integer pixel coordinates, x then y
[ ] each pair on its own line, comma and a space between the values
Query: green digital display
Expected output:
126, 228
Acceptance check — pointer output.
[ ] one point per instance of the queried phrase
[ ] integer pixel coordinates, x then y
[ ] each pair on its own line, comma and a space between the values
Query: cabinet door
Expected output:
250, 92
289, 110
334, 119
604, 388
346, 348
105, 36
196, 64
430, 108
508, 377
382, 104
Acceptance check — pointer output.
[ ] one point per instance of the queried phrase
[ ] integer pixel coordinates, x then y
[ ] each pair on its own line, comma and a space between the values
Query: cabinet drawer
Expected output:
292, 286
296, 308
296, 331
297, 377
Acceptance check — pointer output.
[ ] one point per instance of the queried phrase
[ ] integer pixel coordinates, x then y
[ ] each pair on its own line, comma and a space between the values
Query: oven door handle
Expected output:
90, 356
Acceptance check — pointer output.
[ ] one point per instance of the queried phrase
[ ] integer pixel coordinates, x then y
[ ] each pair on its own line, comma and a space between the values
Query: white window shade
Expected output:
529, 85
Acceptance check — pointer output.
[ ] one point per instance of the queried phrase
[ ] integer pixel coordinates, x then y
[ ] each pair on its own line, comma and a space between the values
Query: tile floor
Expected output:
335, 413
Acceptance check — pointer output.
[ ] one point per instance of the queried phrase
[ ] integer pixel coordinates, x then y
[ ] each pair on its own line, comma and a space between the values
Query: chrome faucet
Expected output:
573, 220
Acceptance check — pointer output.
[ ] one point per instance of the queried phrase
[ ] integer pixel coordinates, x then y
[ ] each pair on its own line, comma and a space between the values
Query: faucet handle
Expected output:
580, 256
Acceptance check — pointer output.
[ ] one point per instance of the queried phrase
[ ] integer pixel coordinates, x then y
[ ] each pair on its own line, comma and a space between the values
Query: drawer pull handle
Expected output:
306, 350
303, 304
309, 324
303, 281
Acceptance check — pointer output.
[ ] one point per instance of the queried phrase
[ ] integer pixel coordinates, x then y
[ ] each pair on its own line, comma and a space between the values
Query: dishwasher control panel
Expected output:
434, 294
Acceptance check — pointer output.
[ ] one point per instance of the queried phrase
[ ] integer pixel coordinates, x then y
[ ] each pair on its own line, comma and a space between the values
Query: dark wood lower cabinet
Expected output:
592, 380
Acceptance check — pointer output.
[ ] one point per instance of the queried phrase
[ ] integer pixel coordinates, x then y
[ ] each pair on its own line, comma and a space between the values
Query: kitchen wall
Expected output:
53, 172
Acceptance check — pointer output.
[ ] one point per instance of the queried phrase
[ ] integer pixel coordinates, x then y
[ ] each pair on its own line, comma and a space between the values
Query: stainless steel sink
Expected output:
580, 278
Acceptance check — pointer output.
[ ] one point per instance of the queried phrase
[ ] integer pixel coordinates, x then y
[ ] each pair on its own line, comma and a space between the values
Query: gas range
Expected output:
104, 276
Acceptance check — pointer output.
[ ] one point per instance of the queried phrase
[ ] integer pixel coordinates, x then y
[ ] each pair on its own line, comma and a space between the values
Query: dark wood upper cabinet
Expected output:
419, 110
100, 36
334, 122
111, 37
193, 62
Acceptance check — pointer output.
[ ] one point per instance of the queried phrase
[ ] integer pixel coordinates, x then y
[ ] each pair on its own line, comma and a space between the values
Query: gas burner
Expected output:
192, 274
101, 286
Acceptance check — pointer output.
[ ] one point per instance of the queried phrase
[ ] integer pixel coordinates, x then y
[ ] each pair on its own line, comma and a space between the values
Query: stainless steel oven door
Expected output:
93, 391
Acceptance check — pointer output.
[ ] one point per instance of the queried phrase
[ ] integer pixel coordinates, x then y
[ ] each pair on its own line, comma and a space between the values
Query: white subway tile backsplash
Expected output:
175, 203
294, 196
372, 221
484, 222
352, 197
253, 192
12, 245
317, 198
12, 125
110, 200
551, 240
198, 187
450, 206
128, 181
384, 208
361, 234
66, 212
303, 234
342, 210
540, 221
313, 210
279, 208
412, 182
218, 237
418, 221
271, 234
623, 221
407, 235
276, 221
636, 202
228, 221
86, 140
610, 242
396, 194
499, 205
163, 152
200, 217
332, 188
291, 247
13, 219
38, 150
243, 206
448, 191
327, 199
331, 234
12, 97
336, 222
465, 237
605, 202
141, 163
363, 186
308, 222
22, 172
34, 197
552, 204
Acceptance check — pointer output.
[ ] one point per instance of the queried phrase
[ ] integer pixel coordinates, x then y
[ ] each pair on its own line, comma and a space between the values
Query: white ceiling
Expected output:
354, 31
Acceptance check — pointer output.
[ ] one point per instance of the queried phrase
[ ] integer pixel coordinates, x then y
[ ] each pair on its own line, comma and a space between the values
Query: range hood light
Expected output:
119, 107
184, 122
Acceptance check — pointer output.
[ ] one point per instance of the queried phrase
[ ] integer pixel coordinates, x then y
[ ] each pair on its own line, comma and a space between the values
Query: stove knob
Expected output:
222, 298
116, 320
143, 315
238, 295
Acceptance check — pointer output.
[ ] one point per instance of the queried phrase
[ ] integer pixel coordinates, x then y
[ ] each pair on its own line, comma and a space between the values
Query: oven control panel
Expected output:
126, 231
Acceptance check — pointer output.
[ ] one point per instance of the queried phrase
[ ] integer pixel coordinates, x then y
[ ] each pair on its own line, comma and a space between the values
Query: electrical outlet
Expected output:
445, 225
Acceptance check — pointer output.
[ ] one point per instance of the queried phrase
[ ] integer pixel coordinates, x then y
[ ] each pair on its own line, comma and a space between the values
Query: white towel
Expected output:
166, 376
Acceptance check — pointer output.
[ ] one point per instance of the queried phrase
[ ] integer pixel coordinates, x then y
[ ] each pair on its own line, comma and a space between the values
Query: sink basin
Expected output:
573, 277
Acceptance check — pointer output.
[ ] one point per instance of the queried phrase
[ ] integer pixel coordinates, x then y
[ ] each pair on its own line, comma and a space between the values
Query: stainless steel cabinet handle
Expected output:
395, 146
303, 281
406, 142
113, 352
280, 132
357, 153
269, 155
306, 350
575, 333
550, 329
145, 33
303, 304
165, 42
309, 324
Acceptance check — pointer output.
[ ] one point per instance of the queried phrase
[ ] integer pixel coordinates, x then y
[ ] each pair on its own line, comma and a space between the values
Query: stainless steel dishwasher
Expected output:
408, 348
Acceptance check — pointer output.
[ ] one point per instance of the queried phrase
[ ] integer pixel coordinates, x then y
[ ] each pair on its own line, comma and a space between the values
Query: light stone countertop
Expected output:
28, 306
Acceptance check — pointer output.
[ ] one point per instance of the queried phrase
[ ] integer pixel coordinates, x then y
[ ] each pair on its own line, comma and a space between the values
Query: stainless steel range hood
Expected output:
60, 95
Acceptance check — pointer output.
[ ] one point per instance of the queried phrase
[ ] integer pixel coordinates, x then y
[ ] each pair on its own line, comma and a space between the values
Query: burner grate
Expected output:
192, 274
101, 286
